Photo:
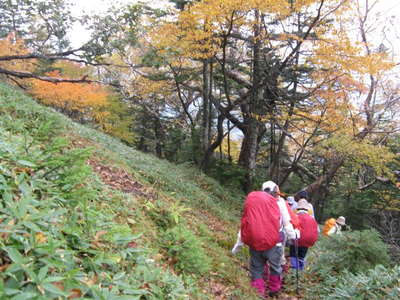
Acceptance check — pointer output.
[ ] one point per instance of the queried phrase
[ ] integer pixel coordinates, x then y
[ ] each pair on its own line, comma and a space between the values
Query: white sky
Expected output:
79, 35
389, 11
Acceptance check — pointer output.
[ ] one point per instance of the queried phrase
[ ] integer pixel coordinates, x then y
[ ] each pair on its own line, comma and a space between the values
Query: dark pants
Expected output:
301, 253
258, 259
297, 260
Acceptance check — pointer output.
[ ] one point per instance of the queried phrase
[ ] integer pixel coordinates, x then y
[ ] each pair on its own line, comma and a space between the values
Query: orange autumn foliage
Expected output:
13, 46
72, 97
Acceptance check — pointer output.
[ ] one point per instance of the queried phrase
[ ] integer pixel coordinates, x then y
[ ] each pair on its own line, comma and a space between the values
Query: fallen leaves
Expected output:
90, 281
132, 245
4, 235
117, 178
73, 293
219, 290
40, 238
97, 238
4, 267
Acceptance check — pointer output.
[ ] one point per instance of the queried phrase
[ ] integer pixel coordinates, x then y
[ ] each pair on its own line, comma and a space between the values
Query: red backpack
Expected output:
260, 222
308, 230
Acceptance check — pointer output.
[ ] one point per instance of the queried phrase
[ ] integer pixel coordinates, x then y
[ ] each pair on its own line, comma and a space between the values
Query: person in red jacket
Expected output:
261, 229
308, 236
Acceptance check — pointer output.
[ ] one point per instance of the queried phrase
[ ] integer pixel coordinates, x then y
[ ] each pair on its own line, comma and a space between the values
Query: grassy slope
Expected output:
193, 200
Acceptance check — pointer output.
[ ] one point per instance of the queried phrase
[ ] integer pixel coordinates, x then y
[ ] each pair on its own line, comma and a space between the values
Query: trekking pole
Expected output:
296, 249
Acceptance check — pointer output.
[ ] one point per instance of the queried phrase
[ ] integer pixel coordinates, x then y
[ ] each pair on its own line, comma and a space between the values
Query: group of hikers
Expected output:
271, 222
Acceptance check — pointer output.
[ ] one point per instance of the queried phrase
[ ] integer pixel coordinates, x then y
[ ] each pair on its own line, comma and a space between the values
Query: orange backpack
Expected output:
328, 225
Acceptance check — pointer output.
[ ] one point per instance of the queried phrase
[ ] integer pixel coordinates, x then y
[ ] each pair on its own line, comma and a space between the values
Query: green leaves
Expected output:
184, 248
377, 283
52, 209
15, 256
355, 255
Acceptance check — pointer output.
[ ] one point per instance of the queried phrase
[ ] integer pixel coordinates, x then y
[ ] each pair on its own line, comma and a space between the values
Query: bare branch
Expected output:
40, 56
20, 74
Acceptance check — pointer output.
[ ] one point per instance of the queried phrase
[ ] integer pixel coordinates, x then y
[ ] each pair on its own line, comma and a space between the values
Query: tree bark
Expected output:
217, 143
159, 137
249, 150
205, 123
319, 189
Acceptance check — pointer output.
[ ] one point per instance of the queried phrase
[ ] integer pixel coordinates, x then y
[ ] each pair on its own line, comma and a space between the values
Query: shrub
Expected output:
160, 214
355, 251
378, 283
185, 250
228, 174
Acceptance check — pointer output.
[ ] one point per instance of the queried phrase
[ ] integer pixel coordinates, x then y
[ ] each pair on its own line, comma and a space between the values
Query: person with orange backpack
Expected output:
308, 236
333, 226
262, 229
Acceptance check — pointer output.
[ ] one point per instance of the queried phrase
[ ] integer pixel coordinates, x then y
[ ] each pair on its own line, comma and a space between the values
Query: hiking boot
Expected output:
259, 285
275, 285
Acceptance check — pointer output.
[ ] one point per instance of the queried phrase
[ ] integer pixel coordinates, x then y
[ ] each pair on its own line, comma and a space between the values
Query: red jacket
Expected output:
308, 230
260, 222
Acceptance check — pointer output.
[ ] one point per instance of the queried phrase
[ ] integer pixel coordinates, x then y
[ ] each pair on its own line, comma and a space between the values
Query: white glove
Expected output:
239, 244
293, 234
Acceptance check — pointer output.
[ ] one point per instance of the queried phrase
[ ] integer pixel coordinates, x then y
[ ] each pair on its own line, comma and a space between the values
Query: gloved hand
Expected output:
239, 244
293, 234
237, 248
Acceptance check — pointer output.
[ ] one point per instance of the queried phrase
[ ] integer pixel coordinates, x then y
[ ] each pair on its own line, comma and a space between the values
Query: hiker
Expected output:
304, 195
308, 236
262, 229
333, 226
292, 203
291, 206
294, 220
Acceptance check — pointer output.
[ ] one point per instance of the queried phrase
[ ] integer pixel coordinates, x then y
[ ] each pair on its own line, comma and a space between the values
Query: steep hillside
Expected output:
83, 215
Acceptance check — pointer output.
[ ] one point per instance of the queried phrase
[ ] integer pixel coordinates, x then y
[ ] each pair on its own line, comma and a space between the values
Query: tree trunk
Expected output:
217, 143
249, 150
252, 129
229, 142
159, 137
319, 189
205, 123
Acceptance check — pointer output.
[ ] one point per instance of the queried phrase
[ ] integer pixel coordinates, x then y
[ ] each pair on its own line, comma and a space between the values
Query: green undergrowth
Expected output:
66, 233
353, 265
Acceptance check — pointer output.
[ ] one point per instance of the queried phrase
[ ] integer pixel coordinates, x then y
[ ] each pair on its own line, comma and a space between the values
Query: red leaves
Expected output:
132, 245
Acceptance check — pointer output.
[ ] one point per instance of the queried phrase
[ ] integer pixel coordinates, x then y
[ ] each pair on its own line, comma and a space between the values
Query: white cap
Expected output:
341, 221
303, 204
269, 185
291, 200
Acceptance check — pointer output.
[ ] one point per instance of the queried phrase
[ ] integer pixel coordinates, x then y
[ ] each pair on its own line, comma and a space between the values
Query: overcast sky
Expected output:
78, 34
389, 10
